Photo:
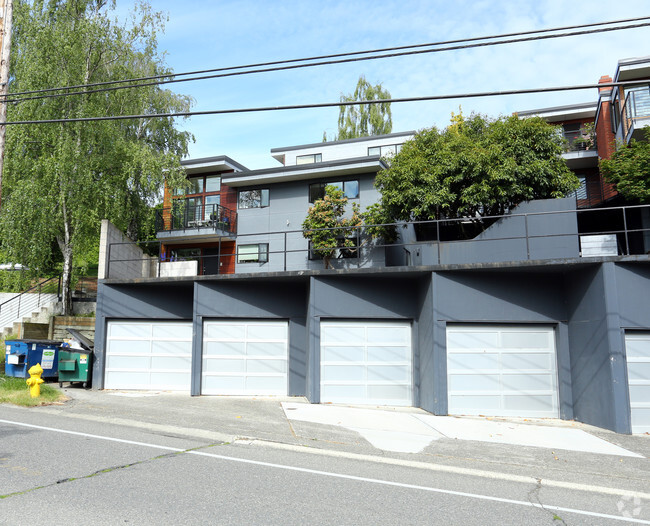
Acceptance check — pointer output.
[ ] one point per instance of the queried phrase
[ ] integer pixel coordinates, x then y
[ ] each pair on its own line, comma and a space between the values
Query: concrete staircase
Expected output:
49, 307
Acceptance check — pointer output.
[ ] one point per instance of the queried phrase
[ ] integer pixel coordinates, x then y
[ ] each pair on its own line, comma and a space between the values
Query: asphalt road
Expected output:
59, 470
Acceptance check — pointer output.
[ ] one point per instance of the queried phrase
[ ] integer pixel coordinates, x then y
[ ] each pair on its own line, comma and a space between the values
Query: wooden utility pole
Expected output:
6, 14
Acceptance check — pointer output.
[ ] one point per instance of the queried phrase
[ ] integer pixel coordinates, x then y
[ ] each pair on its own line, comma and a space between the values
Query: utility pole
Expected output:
6, 15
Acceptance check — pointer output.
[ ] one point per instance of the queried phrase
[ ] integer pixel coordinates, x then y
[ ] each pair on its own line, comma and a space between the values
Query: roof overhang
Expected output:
633, 69
306, 172
563, 113
222, 163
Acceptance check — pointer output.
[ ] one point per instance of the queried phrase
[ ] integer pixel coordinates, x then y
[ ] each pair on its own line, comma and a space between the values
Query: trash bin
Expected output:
22, 354
75, 360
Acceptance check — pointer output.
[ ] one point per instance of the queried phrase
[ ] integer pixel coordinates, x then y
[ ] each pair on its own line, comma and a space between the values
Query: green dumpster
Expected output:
75, 365
75, 362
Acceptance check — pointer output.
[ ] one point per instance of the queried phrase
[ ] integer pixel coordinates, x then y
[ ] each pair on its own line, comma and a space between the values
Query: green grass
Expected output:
16, 391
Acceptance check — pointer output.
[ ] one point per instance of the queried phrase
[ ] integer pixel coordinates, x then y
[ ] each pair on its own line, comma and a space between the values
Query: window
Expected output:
350, 189
254, 198
201, 185
212, 184
385, 151
258, 253
309, 159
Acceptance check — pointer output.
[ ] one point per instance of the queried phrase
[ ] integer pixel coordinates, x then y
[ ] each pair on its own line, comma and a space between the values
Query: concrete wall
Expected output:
597, 364
536, 235
127, 260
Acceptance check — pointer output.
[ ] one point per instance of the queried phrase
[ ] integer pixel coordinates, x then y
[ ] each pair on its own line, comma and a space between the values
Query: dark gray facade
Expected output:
589, 304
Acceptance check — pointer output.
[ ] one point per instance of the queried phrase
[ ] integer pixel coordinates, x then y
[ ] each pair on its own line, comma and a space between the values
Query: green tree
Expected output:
629, 169
327, 228
364, 120
476, 166
62, 179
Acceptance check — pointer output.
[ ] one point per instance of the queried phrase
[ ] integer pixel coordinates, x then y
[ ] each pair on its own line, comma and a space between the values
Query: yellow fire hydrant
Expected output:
34, 381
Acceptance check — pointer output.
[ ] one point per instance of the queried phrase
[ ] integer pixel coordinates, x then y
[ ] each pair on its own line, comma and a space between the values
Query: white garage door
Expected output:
245, 357
502, 370
148, 355
367, 362
637, 350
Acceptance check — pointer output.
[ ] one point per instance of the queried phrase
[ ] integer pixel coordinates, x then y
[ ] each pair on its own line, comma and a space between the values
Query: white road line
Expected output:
337, 475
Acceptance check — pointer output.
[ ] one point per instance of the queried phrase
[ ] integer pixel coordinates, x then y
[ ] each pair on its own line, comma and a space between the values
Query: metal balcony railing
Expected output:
637, 105
548, 235
184, 215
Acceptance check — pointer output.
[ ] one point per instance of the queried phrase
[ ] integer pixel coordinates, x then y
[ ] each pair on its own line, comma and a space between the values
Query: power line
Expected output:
336, 55
337, 61
331, 104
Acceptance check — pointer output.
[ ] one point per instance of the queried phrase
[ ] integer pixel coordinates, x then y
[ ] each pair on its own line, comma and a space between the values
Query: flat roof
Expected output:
557, 113
207, 164
344, 141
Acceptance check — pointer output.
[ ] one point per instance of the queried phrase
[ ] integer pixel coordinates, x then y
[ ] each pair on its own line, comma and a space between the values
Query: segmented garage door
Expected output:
148, 355
502, 370
245, 357
366, 362
637, 350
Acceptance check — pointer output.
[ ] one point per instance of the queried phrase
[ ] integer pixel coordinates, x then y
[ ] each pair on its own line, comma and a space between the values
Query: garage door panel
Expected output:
173, 348
267, 349
165, 331
389, 373
128, 347
268, 332
342, 354
366, 362
639, 371
128, 362
171, 362
213, 365
528, 382
533, 405
527, 361
344, 334
525, 340
170, 380
128, 330
474, 382
224, 331
224, 349
639, 393
637, 347
265, 384
266, 366
464, 361
641, 419
390, 394
128, 380
471, 340
391, 335
516, 377
389, 354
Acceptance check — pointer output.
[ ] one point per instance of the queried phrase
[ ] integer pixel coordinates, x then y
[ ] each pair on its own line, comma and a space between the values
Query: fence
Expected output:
512, 237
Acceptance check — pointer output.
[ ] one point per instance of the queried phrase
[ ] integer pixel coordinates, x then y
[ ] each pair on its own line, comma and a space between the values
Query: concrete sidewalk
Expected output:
549, 449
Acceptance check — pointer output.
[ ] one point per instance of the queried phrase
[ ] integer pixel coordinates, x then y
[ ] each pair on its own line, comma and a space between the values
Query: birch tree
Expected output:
62, 179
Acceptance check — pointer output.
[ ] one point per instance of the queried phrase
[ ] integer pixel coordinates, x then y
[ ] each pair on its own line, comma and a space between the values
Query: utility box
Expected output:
23, 354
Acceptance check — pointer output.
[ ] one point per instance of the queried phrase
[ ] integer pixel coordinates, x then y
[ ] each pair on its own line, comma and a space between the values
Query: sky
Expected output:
202, 34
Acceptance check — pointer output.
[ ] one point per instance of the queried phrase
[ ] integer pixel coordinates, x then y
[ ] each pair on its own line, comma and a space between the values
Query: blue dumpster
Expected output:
22, 354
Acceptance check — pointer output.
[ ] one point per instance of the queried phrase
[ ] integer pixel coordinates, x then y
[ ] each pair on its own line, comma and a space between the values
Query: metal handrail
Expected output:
188, 216
362, 239
20, 306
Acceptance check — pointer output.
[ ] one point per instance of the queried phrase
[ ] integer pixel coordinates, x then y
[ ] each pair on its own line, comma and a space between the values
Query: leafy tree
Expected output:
364, 120
62, 179
327, 228
629, 169
476, 166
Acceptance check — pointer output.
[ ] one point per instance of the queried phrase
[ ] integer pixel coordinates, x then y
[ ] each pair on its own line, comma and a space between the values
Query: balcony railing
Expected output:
637, 105
187, 216
577, 141
552, 235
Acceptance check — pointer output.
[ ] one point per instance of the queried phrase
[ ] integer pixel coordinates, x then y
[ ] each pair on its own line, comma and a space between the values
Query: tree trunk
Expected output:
66, 279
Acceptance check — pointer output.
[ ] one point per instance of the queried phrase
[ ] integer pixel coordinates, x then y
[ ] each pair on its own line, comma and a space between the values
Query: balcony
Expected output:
186, 220
635, 114
581, 149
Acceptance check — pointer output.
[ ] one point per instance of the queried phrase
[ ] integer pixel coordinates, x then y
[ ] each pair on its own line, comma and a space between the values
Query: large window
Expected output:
350, 189
253, 198
309, 159
257, 253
